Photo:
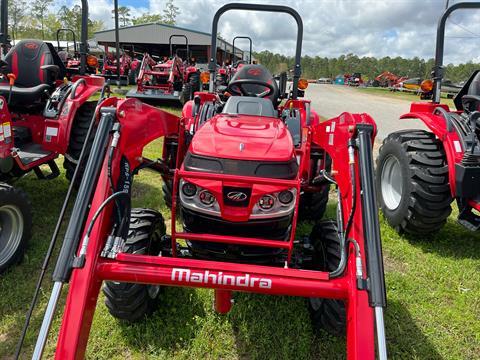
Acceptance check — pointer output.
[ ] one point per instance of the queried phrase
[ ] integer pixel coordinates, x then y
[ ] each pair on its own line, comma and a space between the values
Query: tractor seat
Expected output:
258, 72
25, 60
244, 105
21, 95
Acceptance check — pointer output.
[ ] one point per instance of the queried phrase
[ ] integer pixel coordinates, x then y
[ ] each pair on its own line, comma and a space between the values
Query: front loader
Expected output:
238, 171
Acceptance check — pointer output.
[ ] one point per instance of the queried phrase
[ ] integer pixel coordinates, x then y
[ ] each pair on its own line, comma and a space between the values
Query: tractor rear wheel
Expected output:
195, 82
313, 205
412, 182
186, 93
327, 314
132, 76
130, 301
15, 225
78, 136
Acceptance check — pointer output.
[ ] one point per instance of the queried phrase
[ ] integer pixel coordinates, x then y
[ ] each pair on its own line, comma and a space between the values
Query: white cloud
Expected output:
332, 27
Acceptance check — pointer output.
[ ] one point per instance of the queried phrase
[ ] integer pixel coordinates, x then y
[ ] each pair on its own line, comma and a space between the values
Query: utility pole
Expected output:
117, 41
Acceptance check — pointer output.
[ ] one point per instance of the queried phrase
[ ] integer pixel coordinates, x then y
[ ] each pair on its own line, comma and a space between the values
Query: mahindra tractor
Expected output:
239, 170
72, 60
42, 115
110, 70
171, 79
421, 172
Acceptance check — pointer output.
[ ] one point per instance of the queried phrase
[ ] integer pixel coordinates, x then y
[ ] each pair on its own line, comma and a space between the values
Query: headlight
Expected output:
274, 205
195, 198
285, 197
206, 197
266, 202
188, 189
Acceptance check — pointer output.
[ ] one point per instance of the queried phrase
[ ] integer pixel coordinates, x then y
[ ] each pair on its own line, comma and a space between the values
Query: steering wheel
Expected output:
235, 87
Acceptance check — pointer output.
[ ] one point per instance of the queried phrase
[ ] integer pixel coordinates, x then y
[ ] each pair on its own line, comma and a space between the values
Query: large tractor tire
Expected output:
195, 82
186, 93
167, 189
313, 205
78, 136
15, 225
326, 314
412, 182
130, 301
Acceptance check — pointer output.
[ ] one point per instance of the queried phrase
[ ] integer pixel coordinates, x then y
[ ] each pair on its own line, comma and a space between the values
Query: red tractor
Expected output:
110, 69
42, 115
168, 80
420, 173
239, 169
72, 60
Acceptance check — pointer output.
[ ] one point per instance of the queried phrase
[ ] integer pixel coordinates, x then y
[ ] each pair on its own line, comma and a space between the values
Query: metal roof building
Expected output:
153, 38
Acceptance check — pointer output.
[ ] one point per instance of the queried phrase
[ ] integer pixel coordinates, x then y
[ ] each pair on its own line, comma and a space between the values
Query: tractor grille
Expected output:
275, 170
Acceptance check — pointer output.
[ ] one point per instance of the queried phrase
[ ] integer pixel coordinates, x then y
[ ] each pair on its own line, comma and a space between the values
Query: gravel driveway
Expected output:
331, 100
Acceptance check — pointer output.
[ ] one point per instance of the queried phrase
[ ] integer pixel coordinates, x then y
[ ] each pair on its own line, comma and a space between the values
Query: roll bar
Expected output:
250, 41
4, 38
74, 39
437, 72
257, 7
171, 45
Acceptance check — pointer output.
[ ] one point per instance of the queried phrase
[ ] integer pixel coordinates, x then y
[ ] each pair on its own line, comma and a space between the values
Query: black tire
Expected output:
313, 204
132, 77
16, 225
167, 189
186, 93
327, 314
195, 82
130, 301
78, 134
419, 202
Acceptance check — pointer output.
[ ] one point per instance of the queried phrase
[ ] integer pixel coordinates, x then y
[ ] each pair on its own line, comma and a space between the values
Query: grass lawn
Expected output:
433, 309
400, 95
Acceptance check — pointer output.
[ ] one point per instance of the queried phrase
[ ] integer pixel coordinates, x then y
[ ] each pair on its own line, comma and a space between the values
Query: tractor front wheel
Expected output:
327, 314
15, 225
412, 182
78, 136
313, 204
130, 301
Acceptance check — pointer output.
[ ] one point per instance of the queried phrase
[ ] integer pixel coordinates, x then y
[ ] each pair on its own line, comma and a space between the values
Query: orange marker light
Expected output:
205, 77
302, 84
92, 61
426, 85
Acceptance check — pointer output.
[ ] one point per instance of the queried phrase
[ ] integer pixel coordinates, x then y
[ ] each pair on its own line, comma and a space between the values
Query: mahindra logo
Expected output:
31, 46
237, 196
219, 278
254, 72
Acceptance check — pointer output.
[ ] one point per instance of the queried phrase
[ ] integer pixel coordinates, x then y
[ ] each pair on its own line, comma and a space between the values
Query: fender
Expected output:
450, 139
57, 131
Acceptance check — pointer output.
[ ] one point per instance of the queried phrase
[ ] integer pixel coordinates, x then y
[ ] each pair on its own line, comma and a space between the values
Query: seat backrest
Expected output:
249, 106
474, 88
257, 72
25, 60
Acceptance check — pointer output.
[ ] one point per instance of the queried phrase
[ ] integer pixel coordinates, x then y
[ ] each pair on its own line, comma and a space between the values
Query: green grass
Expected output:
401, 95
433, 300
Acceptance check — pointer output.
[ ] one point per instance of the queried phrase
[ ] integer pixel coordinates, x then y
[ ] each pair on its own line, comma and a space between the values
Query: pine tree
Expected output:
170, 13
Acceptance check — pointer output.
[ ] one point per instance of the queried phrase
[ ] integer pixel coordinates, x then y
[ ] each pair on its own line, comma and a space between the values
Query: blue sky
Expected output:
331, 27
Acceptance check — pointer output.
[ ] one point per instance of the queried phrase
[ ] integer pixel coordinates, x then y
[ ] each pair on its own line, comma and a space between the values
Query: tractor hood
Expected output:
244, 137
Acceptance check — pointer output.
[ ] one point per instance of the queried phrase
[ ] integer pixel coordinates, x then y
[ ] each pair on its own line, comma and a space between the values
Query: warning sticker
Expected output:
330, 139
7, 131
458, 147
51, 131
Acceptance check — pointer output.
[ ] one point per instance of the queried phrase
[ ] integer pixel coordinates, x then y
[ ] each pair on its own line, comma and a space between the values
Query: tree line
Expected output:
317, 67
35, 19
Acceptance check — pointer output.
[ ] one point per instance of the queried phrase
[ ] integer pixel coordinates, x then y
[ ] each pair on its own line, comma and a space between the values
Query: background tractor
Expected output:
420, 173
43, 114
170, 79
